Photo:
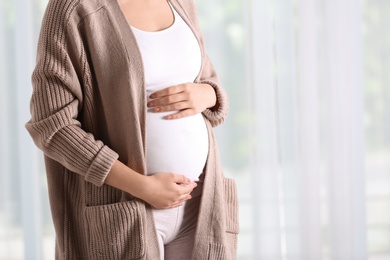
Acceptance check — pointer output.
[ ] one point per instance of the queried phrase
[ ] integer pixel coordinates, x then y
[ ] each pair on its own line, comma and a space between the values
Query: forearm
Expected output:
124, 178
161, 190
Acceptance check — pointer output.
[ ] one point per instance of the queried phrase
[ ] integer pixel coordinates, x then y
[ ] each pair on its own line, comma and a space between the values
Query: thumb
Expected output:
181, 179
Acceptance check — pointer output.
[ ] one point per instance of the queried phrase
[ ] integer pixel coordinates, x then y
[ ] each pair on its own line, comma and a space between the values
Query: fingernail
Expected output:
156, 109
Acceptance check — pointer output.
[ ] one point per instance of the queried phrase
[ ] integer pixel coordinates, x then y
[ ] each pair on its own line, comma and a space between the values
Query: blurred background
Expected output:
307, 138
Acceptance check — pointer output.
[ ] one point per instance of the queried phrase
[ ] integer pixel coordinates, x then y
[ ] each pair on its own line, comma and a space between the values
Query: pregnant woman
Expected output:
124, 101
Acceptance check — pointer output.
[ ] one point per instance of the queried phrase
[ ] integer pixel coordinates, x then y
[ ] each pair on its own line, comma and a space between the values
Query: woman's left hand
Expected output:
188, 98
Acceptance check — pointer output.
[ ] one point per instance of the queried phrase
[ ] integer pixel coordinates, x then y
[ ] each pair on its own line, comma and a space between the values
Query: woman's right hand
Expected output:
161, 190
166, 190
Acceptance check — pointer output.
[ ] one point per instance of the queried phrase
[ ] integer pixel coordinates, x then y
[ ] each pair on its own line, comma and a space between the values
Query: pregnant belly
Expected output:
179, 146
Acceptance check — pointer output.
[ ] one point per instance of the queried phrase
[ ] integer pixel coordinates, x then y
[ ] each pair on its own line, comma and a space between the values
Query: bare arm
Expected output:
161, 190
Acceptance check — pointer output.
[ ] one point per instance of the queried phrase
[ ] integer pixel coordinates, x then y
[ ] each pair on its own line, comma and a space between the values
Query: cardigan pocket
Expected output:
116, 231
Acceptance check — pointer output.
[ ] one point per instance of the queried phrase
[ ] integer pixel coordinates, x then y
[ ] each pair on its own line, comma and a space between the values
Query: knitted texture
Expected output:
88, 109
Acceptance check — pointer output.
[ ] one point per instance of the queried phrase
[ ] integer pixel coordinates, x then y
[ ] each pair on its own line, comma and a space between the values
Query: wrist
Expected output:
126, 179
212, 95
138, 186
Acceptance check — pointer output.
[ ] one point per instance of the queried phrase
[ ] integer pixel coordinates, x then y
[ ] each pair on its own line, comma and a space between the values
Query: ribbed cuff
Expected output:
101, 166
217, 114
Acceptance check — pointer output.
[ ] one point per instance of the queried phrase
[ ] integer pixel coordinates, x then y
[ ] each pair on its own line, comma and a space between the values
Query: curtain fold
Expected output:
309, 129
343, 129
22, 181
265, 177
5, 158
30, 185
308, 98
288, 131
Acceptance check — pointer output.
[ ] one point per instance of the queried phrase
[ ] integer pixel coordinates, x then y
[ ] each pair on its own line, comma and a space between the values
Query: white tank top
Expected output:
172, 56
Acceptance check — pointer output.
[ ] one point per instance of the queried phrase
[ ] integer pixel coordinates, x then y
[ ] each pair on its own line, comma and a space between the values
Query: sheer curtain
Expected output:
25, 224
308, 110
307, 138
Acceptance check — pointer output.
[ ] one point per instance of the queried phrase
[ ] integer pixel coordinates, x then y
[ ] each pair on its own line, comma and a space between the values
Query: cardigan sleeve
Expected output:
56, 100
217, 114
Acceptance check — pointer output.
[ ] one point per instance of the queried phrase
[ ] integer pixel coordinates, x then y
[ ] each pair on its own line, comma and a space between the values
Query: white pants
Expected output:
176, 228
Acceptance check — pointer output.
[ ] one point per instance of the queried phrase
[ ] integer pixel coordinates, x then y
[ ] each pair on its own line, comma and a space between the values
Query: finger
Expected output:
168, 100
177, 204
181, 201
184, 197
187, 189
172, 107
181, 114
168, 91
181, 179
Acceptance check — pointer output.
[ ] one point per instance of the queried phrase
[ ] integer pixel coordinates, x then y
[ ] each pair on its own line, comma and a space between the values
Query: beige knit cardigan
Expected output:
88, 109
